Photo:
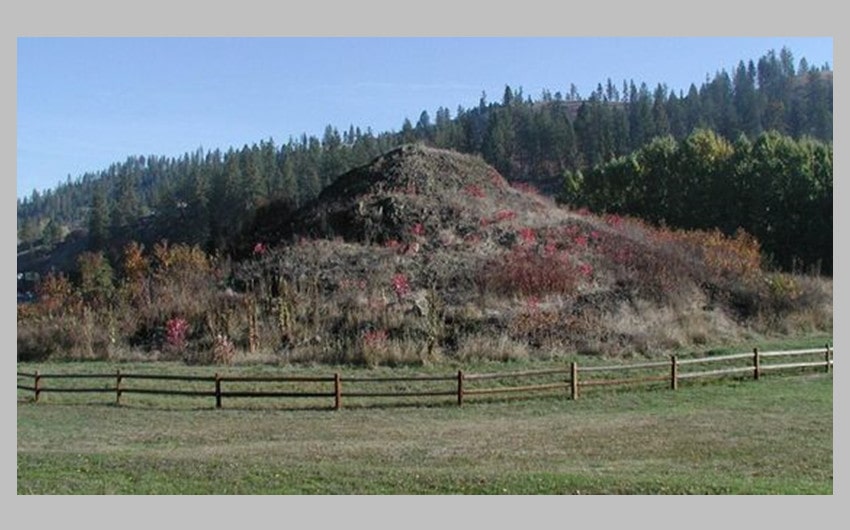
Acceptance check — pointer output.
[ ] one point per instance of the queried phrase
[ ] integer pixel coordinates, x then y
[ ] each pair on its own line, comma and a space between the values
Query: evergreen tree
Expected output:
444, 135
641, 126
499, 142
30, 231
288, 190
333, 159
53, 232
746, 101
659, 112
271, 169
126, 206
408, 135
252, 184
423, 127
99, 223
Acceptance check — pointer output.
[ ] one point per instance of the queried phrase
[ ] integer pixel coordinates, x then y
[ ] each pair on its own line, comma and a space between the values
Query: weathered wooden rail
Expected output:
459, 386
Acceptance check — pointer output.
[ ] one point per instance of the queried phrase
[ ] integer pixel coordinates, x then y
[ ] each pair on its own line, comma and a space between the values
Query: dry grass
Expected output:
478, 347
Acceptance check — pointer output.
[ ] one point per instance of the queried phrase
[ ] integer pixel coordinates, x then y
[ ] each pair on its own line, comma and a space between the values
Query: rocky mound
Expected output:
409, 191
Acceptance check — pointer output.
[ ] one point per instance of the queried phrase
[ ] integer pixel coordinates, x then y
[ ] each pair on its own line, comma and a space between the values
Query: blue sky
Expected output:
85, 103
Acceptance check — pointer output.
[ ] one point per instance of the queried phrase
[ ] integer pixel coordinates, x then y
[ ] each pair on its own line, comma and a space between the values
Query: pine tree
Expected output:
408, 135
99, 223
53, 232
746, 101
641, 125
253, 183
659, 112
423, 127
127, 207
288, 190
333, 156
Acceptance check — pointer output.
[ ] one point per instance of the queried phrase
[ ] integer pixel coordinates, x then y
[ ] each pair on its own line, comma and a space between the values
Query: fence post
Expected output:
118, 386
460, 388
827, 358
674, 373
337, 392
217, 391
37, 385
574, 380
756, 370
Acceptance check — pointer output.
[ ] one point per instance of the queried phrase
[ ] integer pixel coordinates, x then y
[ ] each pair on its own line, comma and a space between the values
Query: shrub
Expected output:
43, 341
56, 295
176, 332
401, 285
223, 350
528, 272
372, 346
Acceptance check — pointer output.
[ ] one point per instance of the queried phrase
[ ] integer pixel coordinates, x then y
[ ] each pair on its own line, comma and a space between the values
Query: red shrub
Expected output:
401, 285
529, 272
527, 235
474, 190
176, 332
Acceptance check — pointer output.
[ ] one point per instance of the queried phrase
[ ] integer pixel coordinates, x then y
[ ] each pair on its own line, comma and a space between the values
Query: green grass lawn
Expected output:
772, 436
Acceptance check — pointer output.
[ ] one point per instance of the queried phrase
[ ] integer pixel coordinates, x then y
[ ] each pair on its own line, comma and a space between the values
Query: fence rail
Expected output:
568, 380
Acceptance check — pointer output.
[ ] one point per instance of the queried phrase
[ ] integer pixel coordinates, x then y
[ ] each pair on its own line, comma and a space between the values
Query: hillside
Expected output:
428, 255
511, 273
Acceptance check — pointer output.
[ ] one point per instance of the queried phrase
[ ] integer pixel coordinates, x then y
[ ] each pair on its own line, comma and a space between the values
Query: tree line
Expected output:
209, 197
774, 187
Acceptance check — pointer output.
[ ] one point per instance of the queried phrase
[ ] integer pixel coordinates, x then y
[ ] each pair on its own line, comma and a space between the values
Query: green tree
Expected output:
334, 161
424, 129
253, 186
703, 185
30, 231
99, 223
96, 278
53, 232
126, 207
408, 135
499, 142
746, 100
288, 190
659, 112
658, 164
641, 126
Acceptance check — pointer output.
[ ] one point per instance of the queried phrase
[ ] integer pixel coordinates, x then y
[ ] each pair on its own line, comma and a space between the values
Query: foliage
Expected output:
96, 279
775, 188
176, 331
531, 270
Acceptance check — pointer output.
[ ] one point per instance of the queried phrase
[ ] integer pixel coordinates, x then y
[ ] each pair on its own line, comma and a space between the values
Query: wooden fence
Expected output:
459, 386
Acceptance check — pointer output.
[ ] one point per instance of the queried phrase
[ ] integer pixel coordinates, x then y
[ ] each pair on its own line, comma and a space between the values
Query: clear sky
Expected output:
84, 103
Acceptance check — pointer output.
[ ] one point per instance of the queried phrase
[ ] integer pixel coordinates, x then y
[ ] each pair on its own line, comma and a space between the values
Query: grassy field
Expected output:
774, 436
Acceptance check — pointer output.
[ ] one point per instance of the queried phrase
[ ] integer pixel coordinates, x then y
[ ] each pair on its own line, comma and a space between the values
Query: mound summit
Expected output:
411, 186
